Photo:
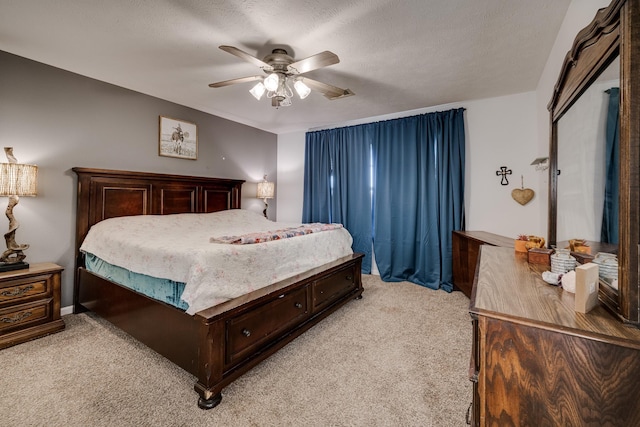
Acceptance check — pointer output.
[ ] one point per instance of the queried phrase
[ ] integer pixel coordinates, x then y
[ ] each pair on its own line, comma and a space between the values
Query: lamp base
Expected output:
10, 266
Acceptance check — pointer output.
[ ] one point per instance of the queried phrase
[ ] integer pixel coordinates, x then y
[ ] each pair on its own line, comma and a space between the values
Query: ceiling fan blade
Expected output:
329, 91
322, 59
236, 81
247, 57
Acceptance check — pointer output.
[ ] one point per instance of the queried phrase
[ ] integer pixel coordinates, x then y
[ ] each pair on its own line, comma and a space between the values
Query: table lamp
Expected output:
265, 191
16, 180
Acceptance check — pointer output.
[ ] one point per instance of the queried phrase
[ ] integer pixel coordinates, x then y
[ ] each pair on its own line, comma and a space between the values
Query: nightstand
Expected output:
29, 303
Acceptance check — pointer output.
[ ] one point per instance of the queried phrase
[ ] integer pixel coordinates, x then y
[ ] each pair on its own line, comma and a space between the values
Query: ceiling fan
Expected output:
282, 73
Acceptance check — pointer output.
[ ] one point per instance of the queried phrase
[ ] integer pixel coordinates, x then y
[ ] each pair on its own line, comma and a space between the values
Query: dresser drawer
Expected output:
25, 315
329, 289
26, 289
248, 332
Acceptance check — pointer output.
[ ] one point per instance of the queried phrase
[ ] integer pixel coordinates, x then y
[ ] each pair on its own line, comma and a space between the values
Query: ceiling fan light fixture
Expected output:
302, 89
258, 90
286, 102
285, 88
284, 76
272, 82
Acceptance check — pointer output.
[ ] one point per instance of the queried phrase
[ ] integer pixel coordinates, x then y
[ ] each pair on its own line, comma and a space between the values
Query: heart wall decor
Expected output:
522, 195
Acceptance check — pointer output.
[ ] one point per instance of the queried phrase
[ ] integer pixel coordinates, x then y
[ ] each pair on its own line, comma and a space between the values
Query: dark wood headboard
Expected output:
106, 194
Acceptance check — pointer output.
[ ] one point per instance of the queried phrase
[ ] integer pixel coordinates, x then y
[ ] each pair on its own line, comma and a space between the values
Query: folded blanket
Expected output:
267, 236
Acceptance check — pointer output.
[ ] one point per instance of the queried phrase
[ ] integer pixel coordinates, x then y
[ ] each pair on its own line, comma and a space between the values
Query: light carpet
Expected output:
397, 357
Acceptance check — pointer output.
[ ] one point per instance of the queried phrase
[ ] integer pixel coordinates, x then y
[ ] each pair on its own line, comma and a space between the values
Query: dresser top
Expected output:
486, 237
34, 269
508, 287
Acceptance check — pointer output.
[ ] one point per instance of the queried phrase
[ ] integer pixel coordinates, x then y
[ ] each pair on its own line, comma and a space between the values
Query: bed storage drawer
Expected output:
331, 288
247, 333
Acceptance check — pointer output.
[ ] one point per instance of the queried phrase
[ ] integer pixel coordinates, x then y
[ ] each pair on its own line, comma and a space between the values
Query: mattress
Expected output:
186, 249
165, 290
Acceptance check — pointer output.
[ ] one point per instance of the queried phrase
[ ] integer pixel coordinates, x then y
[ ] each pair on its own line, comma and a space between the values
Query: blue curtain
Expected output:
398, 184
419, 196
337, 183
609, 231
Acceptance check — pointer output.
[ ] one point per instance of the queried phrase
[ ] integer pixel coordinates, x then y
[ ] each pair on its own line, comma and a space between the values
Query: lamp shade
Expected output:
18, 179
302, 89
266, 190
257, 91
271, 82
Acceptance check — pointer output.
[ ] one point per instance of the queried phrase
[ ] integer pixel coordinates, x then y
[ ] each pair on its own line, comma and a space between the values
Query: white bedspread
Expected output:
177, 247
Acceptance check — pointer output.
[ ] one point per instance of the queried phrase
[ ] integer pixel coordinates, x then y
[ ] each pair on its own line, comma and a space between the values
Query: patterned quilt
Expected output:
267, 236
178, 247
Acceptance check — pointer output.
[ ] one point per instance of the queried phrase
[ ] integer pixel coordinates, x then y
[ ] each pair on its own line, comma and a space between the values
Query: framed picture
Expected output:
178, 138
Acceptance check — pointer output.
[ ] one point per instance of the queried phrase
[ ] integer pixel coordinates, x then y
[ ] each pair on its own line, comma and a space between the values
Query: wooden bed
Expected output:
220, 343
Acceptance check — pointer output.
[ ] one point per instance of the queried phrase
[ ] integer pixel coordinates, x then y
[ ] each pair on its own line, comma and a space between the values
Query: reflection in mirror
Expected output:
587, 190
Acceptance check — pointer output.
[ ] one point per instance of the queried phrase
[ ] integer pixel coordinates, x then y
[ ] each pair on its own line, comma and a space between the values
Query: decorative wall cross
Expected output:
504, 172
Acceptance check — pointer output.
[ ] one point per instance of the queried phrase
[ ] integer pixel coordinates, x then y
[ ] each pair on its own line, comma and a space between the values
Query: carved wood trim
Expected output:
593, 47
629, 227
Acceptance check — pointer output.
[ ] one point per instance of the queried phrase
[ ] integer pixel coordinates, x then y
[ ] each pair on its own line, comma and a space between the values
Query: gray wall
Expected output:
58, 120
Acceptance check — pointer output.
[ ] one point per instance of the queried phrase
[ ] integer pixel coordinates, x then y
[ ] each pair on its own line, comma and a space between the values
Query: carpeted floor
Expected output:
398, 357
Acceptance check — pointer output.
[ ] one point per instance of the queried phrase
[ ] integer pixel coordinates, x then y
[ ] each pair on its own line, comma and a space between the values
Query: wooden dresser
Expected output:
537, 362
465, 250
29, 303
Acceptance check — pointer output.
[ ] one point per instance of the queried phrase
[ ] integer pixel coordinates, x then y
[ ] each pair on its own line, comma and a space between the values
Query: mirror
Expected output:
603, 56
583, 162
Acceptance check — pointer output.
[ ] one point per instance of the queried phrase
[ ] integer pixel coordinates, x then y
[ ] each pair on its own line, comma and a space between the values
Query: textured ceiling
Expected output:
396, 55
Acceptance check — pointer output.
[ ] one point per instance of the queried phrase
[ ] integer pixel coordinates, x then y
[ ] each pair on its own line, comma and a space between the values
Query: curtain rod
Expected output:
320, 128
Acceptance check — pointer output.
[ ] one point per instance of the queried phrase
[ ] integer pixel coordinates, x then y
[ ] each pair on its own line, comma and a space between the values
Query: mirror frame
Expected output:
615, 30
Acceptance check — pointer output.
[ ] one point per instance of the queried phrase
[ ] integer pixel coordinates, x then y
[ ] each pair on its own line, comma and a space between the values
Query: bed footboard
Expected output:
221, 343
253, 327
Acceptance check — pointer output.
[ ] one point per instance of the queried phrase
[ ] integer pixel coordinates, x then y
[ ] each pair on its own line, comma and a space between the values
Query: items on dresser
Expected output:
540, 256
536, 361
586, 287
29, 303
562, 261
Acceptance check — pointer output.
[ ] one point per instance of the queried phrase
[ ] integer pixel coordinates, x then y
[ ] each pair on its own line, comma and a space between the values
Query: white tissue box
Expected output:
587, 284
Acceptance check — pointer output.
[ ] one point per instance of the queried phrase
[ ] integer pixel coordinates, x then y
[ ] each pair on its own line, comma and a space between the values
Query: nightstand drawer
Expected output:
29, 303
17, 291
24, 315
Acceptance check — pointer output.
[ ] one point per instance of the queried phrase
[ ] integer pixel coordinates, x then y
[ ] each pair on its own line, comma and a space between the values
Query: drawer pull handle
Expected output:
298, 305
17, 291
246, 332
349, 278
17, 318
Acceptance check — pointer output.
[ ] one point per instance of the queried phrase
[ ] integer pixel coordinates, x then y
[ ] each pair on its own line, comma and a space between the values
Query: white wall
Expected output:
502, 132
505, 131
290, 176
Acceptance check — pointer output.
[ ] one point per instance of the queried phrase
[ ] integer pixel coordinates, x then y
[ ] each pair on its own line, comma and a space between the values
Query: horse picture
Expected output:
178, 138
